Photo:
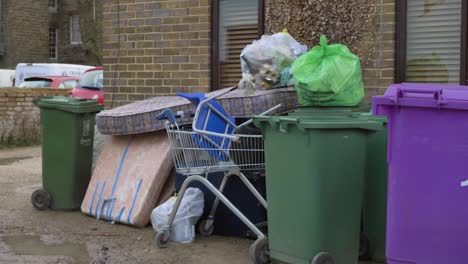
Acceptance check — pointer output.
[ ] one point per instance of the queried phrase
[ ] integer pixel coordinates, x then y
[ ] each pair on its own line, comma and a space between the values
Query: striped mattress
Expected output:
140, 117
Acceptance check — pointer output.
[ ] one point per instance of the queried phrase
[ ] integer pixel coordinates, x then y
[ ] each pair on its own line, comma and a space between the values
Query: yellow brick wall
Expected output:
163, 47
19, 118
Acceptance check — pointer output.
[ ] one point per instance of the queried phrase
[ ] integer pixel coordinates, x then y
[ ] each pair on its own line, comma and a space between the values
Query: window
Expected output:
53, 5
431, 41
68, 84
75, 35
92, 80
53, 43
35, 83
236, 23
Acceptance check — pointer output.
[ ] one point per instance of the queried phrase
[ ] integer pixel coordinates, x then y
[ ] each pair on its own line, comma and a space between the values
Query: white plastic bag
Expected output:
190, 210
267, 59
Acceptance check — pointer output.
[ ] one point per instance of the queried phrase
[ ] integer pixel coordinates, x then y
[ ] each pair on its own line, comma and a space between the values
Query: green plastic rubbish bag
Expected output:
328, 75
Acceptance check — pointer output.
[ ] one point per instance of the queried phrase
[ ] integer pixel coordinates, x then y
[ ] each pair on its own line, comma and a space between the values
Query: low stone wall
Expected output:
19, 118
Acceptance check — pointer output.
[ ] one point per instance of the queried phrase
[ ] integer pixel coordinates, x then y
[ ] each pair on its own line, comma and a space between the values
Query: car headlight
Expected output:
95, 97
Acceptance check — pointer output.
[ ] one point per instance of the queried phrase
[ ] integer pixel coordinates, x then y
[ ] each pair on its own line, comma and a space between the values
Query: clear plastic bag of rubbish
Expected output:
190, 210
266, 59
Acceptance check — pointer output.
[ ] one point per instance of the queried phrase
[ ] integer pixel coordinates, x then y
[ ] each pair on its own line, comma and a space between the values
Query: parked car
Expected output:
26, 70
60, 82
90, 85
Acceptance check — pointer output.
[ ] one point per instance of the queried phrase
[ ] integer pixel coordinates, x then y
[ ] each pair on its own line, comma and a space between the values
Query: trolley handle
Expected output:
248, 122
168, 114
232, 137
219, 95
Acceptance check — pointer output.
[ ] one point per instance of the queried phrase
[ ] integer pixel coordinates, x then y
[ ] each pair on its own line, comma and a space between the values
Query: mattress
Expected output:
132, 176
140, 117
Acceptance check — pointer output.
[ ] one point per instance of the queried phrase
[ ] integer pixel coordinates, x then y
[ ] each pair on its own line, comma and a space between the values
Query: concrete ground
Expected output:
31, 236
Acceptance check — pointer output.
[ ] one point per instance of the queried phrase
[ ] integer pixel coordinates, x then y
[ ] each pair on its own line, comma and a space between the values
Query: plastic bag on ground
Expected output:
328, 75
190, 210
268, 59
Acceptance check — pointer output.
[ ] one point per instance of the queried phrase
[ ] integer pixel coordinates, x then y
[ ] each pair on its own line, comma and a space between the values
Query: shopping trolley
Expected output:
212, 145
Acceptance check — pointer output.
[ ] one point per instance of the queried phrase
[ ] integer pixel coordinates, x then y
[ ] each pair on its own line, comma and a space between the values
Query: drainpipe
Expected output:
94, 9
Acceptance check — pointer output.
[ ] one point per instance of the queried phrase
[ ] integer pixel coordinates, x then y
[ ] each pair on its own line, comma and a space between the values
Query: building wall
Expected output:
91, 29
19, 118
25, 32
367, 27
164, 47
380, 72
161, 47
25, 27
89, 52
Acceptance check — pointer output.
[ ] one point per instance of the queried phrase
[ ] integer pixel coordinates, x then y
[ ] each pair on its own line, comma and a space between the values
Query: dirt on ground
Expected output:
31, 236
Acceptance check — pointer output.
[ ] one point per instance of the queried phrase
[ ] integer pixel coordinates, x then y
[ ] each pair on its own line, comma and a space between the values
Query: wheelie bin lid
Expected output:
422, 95
68, 104
370, 116
360, 111
331, 110
318, 122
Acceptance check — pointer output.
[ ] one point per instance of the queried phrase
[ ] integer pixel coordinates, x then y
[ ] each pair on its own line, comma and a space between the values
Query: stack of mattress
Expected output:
131, 175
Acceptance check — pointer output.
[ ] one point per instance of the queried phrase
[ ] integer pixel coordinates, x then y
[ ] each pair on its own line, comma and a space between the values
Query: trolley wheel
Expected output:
259, 251
162, 238
204, 230
323, 258
364, 247
40, 199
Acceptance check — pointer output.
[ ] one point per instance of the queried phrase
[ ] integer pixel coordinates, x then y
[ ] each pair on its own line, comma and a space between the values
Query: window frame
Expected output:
74, 43
400, 42
215, 81
56, 43
54, 8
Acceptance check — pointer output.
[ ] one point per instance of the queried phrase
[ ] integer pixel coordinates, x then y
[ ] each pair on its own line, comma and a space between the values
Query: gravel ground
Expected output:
31, 236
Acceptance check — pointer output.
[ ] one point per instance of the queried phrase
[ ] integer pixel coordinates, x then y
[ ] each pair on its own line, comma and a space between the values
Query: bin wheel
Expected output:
40, 199
259, 251
364, 247
323, 258
204, 230
162, 238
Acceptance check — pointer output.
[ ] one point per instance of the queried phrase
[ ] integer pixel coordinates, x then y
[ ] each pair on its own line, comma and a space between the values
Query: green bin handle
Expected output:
260, 121
36, 101
286, 122
280, 124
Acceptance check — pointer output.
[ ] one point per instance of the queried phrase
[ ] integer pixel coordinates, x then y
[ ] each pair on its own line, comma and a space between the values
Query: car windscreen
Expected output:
36, 83
92, 80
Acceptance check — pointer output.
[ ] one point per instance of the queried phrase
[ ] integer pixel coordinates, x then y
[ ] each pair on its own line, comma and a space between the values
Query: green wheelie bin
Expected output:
374, 210
374, 205
67, 151
315, 167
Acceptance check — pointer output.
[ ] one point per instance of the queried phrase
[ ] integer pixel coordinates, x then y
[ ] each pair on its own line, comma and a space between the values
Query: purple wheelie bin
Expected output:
427, 213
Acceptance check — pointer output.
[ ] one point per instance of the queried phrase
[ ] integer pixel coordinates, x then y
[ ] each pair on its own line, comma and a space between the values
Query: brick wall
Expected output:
25, 27
163, 47
91, 31
19, 118
379, 74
